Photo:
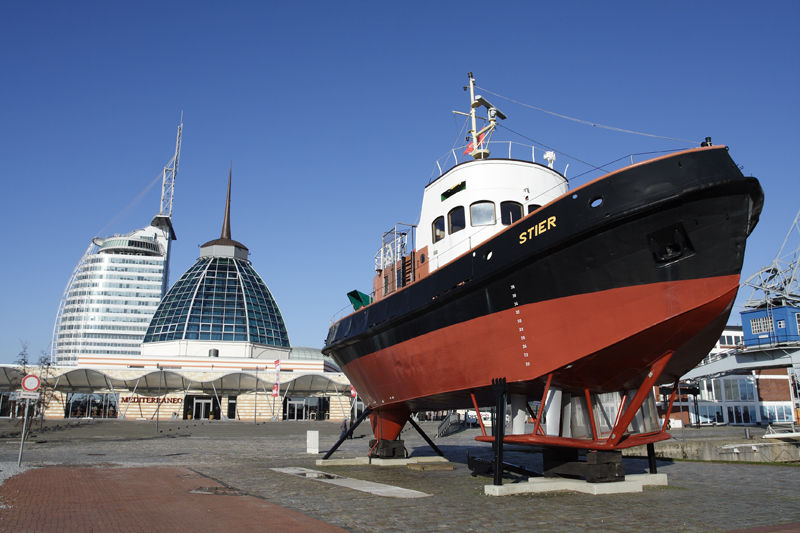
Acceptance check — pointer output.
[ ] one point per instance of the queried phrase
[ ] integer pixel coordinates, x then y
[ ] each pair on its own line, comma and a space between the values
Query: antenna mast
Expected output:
168, 180
163, 219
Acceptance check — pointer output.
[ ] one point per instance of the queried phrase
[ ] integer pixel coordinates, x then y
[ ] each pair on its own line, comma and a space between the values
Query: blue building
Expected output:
771, 326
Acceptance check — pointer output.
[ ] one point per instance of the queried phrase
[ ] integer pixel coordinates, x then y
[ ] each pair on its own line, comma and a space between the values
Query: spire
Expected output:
226, 224
225, 237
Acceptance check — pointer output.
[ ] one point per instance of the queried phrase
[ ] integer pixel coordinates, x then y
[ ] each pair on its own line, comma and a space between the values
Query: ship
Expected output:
580, 301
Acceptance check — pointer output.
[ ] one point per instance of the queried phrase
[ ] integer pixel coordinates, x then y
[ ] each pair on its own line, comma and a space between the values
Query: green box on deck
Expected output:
359, 299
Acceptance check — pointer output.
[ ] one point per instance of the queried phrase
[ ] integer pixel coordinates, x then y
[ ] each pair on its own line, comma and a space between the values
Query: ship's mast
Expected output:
478, 137
472, 105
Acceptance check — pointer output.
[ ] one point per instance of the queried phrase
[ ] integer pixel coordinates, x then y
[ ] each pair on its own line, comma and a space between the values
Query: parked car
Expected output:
472, 418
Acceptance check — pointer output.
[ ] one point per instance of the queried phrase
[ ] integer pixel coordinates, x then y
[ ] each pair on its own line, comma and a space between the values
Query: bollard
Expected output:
747, 433
312, 442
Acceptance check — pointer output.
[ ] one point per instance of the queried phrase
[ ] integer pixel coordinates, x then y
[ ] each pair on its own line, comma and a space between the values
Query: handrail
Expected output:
449, 421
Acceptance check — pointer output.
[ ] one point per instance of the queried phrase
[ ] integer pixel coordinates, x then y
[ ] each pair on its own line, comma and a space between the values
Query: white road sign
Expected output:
31, 383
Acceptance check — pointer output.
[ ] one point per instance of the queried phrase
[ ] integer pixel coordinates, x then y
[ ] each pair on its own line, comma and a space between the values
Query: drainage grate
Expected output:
218, 491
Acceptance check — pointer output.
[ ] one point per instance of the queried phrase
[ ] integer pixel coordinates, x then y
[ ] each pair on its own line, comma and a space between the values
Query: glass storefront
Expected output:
11, 406
299, 408
91, 405
202, 408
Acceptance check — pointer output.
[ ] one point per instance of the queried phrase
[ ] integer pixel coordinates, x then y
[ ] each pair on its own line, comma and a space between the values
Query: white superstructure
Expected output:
478, 199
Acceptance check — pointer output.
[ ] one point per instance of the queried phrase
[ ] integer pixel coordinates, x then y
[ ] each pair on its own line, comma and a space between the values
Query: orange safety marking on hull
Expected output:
553, 334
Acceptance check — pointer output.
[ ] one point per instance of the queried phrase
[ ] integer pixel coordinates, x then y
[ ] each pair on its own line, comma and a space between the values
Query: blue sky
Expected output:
334, 113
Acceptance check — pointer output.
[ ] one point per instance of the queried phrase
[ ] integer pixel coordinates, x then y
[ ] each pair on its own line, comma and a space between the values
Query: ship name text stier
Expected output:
537, 229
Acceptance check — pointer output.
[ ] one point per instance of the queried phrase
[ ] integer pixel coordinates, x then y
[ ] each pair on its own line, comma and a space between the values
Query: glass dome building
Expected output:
219, 299
219, 307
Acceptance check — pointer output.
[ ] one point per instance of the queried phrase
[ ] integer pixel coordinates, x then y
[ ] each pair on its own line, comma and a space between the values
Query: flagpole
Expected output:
276, 389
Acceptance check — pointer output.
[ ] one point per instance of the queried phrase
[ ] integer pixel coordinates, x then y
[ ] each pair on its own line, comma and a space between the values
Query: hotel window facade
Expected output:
112, 295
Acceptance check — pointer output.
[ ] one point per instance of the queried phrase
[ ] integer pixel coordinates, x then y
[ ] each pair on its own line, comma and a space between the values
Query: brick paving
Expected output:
701, 496
85, 499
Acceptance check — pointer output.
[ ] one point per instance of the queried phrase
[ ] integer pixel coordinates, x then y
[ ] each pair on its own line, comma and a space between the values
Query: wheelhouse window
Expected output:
456, 220
482, 214
438, 229
533, 207
510, 212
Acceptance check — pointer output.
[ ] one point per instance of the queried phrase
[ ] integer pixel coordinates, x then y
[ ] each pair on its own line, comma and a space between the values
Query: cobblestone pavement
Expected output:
700, 496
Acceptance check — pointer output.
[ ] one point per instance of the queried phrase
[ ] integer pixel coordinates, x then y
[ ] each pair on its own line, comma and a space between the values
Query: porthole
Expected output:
596, 202
574, 196
487, 255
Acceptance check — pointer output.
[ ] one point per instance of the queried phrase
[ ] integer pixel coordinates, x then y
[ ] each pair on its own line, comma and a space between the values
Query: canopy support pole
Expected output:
271, 404
217, 397
131, 398
185, 392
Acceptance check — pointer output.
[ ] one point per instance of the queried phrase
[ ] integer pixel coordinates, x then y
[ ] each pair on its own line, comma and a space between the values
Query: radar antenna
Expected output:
778, 284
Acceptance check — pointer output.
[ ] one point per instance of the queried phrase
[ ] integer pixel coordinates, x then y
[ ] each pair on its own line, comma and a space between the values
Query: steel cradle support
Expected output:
636, 403
478, 413
500, 390
538, 425
344, 437
669, 409
590, 408
617, 439
424, 436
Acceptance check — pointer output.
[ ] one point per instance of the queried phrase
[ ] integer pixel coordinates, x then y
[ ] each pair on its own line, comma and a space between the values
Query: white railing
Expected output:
451, 159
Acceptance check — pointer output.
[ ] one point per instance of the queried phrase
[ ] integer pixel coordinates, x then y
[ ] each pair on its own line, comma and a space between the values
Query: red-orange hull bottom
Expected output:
584, 349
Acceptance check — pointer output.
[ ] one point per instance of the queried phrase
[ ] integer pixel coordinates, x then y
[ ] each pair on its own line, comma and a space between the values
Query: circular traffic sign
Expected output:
30, 383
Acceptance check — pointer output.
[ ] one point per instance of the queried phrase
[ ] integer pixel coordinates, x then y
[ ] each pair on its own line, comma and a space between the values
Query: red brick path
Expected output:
67, 499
